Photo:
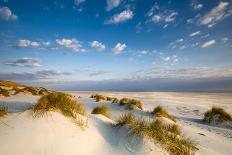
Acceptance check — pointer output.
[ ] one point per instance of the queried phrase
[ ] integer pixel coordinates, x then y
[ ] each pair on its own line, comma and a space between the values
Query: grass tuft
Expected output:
4, 92
170, 138
58, 101
217, 115
126, 101
101, 110
159, 111
3, 111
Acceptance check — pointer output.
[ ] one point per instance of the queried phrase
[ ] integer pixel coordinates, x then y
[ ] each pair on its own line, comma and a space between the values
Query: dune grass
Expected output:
127, 101
217, 115
4, 92
115, 100
3, 111
58, 102
169, 137
159, 111
8, 83
101, 110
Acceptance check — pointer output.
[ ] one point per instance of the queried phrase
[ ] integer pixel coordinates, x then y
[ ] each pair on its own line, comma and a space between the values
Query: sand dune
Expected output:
55, 134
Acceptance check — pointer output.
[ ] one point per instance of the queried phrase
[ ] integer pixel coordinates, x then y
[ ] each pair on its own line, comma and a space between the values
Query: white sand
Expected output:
20, 133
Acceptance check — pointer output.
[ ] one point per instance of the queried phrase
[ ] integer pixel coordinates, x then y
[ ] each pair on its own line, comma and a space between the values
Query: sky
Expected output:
117, 45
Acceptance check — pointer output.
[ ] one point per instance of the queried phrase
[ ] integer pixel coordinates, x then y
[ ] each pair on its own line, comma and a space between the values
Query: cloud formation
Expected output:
111, 4
7, 15
97, 45
33, 76
118, 48
217, 14
24, 62
23, 43
158, 14
121, 17
208, 43
72, 44
196, 6
194, 33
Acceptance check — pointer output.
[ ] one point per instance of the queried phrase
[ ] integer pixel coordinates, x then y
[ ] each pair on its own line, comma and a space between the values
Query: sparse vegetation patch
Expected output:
217, 115
169, 137
58, 102
159, 111
3, 111
4, 92
101, 110
127, 101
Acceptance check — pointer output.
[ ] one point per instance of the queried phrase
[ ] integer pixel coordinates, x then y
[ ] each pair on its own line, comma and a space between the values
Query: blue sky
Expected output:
129, 45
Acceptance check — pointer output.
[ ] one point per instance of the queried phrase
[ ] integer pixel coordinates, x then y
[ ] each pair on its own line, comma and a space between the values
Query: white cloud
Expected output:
225, 39
24, 43
208, 43
72, 44
194, 33
47, 43
118, 48
97, 45
78, 2
196, 6
156, 18
171, 17
110, 4
180, 40
166, 58
156, 14
34, 44
141, 53
6, 14
121, 17
172, 58
218, 13
24, 62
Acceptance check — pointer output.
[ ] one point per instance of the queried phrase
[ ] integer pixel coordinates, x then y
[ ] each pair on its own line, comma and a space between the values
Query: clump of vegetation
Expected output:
217, 115
127, 101
115, 100
58, 101
4, 92
101, 110
169, 137
8, 83
159, 111
100, 98
32, 90
3, 111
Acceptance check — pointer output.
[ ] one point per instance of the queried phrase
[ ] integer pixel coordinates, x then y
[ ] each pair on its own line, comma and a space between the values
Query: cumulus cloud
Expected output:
110, 4
121, 17
97, 45
208, 43
118, 48
78, 2
215, 15
196, 6
24, 62
33, 76
194, 33
72, 44
7, 15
